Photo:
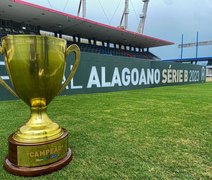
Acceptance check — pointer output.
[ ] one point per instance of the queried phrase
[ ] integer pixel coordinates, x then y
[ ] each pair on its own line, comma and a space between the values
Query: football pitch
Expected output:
157, 133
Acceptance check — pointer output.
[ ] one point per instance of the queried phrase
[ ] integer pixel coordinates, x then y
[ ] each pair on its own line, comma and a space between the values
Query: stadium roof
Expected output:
54, 21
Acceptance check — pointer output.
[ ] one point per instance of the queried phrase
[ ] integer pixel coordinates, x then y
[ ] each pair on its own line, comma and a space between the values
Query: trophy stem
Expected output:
39, 128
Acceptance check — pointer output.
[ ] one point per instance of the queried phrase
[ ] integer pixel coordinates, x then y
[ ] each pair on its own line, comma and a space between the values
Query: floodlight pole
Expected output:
181, 56
125, 16
82, 5
197, 44
143, 17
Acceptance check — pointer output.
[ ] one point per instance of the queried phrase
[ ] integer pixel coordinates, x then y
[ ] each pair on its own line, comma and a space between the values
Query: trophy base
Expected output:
35, 159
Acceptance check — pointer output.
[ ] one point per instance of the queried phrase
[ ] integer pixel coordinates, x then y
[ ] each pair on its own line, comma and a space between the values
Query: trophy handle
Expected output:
3, 83
72, 48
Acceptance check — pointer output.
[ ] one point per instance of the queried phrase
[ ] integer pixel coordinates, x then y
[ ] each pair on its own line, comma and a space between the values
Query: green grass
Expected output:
158, 133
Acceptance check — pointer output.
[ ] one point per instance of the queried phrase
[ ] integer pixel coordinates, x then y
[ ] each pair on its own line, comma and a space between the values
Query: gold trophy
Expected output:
36, 66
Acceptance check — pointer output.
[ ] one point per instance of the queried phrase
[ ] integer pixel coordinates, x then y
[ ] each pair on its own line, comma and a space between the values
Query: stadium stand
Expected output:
13, 27
114, 41
93, 48
8, 27
114, 51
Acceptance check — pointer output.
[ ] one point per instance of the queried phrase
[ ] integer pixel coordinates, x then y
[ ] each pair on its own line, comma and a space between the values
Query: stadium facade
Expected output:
111, 58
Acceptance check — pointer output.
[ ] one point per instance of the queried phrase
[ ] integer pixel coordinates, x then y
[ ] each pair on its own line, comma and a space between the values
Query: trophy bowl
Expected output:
36, 66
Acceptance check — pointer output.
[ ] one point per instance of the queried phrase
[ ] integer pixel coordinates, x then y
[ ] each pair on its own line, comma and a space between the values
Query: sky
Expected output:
166, 19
